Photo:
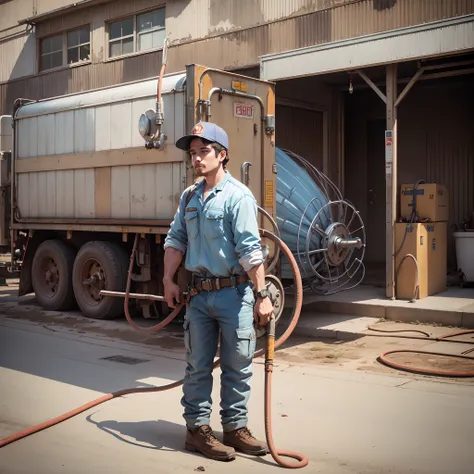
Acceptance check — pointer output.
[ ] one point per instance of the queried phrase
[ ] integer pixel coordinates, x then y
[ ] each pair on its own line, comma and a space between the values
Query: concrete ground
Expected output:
453, 307
332, 401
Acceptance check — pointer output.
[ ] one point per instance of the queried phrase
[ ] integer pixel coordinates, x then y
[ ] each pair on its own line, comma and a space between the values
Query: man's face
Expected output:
204, 157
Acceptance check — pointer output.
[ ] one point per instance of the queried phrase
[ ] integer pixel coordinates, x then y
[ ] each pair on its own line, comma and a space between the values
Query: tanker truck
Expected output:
93, 178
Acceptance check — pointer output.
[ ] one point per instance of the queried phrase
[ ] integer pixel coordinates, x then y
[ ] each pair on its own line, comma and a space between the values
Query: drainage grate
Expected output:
125, 360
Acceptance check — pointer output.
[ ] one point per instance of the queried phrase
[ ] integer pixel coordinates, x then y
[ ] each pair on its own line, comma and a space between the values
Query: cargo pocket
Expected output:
214, 224
187, 336
192, 224
246, 343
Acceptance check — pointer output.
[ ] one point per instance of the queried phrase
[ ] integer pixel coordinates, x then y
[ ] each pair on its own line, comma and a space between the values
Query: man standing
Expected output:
216, 227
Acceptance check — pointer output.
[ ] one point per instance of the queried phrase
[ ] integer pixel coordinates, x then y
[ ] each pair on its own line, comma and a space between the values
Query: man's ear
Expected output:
222, 155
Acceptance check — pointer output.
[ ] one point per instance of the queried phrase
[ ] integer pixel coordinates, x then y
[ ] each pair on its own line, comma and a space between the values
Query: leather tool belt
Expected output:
215, 284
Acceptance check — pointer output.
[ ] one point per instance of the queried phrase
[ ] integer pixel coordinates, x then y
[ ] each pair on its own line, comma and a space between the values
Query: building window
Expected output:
121, 37
137, 33
78, 45
151, 30
70, 47
51, 54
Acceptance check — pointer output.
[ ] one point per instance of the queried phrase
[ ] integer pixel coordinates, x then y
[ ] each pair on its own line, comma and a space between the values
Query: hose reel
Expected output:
324, 231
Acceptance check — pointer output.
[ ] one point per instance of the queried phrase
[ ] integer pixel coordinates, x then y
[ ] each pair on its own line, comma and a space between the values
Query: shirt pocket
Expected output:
192, 224
214, 224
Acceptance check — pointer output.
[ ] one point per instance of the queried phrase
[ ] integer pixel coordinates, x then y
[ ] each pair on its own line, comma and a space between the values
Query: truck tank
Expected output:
82, 183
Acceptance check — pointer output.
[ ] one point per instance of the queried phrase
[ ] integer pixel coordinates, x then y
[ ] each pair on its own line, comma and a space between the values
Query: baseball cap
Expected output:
207, 130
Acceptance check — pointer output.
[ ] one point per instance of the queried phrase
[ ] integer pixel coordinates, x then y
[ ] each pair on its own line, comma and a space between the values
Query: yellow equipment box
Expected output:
432, 202
427, 242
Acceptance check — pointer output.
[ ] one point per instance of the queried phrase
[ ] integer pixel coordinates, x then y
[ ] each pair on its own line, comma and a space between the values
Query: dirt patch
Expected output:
362, 353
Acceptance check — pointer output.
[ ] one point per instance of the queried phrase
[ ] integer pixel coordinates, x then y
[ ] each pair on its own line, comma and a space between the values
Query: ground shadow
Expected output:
157, 435
153, 434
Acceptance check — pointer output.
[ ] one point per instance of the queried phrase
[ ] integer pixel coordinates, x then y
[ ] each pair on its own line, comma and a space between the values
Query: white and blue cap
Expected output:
207, 130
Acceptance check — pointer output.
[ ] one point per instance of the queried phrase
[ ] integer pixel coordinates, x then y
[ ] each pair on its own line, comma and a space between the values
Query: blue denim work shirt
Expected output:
219, 235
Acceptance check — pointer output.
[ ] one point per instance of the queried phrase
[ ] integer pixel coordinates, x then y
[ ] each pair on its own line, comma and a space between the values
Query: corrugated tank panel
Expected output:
61, 194
146, 191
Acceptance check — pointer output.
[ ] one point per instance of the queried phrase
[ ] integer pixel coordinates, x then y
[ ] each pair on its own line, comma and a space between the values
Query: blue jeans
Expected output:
229, 310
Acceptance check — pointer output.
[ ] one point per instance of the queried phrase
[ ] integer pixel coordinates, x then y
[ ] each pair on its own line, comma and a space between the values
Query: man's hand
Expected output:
263, 311
172, 293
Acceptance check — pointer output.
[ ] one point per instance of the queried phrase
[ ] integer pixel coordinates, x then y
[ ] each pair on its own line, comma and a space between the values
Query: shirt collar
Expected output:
219, 187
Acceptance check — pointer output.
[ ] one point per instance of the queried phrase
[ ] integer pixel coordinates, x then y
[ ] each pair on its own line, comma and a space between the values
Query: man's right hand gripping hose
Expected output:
269, 351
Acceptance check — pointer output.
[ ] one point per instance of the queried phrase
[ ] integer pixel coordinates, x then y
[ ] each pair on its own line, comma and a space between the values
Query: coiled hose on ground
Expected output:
271, 345
384, 359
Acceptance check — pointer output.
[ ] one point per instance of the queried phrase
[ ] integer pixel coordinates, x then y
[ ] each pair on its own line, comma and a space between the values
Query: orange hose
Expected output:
443, 373
276, 454
156, 327
383, 358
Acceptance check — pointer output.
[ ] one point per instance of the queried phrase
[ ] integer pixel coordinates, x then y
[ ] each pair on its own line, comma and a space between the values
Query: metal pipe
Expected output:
137, 296
244, 173
227, 73
341, 243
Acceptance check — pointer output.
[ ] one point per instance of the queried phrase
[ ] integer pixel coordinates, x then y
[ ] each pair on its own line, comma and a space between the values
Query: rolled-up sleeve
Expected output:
246, 235
177, 236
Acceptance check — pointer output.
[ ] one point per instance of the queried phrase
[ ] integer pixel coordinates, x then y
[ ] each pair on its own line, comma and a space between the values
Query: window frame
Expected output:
135, 35
64, 49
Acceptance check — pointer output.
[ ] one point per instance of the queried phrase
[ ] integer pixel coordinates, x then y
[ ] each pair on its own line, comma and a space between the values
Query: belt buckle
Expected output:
233, 281
206, 284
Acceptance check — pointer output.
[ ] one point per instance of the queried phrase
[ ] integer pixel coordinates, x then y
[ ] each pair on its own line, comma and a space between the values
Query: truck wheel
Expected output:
51, 275
100, 266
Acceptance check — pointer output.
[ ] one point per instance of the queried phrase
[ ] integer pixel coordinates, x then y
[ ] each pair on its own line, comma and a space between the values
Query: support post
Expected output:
391, 178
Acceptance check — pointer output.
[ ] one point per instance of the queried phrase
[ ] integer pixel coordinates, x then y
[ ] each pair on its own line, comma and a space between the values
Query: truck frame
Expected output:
89, 171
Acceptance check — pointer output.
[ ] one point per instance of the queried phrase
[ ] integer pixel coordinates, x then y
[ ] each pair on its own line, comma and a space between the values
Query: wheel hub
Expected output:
94, 279
51, 276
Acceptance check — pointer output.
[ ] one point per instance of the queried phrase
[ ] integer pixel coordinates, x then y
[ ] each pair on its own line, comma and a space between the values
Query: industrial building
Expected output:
376, 93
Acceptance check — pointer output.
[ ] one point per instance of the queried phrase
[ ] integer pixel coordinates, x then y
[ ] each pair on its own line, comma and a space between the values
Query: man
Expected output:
216, 227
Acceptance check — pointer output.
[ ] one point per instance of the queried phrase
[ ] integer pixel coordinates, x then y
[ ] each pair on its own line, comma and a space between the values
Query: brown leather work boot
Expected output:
243, 440
204, 441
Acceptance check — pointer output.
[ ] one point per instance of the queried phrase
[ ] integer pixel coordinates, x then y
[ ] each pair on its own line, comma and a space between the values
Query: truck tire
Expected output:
51, 275
100, 266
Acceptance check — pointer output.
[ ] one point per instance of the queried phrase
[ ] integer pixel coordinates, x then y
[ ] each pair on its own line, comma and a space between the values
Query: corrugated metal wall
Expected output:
17, 55
235, 49
436, 143
12, 11
301, 131
78, 79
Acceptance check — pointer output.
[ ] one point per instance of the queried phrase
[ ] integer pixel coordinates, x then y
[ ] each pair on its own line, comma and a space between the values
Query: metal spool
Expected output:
325, 232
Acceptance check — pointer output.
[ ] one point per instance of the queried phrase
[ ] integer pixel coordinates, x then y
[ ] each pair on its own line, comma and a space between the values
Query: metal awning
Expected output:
438, 38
